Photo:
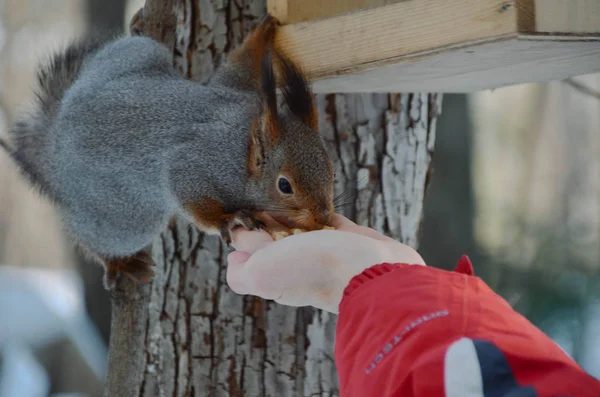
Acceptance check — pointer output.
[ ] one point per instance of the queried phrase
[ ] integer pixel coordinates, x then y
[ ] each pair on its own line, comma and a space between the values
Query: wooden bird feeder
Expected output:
438, 45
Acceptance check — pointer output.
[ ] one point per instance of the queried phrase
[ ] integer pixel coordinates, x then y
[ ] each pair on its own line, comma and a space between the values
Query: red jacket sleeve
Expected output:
421, 331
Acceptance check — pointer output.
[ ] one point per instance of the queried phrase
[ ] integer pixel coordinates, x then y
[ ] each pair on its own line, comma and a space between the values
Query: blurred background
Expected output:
54, 312
515, 185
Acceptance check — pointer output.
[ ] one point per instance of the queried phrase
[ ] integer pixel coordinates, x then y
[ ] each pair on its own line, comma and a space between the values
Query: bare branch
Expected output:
127, 349
127, 339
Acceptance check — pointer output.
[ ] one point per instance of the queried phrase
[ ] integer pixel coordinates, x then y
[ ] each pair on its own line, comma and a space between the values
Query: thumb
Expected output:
254, 275
236, 272
237, 258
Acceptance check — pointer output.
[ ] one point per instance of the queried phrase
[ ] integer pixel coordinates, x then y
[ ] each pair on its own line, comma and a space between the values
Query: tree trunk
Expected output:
195, 337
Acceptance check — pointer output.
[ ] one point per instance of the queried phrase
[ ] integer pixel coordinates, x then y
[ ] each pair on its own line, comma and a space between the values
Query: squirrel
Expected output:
121, 143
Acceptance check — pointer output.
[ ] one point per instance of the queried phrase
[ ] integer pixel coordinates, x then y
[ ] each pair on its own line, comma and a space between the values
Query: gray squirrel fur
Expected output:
121, 143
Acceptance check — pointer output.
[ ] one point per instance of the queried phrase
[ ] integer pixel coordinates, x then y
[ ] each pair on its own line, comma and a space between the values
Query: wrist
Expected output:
356, 260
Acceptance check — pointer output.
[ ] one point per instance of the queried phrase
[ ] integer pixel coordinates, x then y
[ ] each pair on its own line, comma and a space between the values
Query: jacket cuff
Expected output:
369, 274
464, 266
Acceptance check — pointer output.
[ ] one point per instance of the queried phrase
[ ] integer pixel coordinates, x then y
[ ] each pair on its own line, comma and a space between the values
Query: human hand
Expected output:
312, 268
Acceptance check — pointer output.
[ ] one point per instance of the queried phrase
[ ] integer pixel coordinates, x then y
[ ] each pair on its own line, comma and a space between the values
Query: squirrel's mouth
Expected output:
287, 221
295, 223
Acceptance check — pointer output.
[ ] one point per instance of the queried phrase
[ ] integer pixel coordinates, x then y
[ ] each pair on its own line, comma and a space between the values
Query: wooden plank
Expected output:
279, 9
473, 68
294, 11
375, 37
567, 16
447, 46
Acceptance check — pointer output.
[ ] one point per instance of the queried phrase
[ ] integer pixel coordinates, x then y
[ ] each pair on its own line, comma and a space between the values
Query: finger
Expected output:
339, 221
250, 241
411, 256
368, 232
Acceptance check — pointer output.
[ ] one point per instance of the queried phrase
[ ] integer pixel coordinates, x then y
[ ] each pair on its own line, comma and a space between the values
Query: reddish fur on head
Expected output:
312, 199
252, 51
284, 143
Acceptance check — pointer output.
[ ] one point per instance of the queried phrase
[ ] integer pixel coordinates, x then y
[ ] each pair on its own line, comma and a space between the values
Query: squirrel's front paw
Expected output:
243, 218
247, 219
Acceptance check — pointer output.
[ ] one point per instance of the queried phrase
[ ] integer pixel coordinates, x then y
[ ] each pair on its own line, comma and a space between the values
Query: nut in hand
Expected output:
278, 235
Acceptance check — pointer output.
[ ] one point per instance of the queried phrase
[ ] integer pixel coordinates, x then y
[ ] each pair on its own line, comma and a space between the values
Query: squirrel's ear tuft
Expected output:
250, 54
268, 85
256, 149
269, 115
296, 92
264, 133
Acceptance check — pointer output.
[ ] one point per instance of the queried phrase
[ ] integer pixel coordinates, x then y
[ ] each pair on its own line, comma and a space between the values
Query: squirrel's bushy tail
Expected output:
30, 133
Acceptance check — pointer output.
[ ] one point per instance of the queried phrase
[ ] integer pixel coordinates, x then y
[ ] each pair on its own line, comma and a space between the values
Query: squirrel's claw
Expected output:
226, 234
243, 218
248, 220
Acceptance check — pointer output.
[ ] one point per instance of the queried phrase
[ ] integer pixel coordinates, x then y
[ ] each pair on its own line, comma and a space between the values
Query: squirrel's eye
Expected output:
284, 186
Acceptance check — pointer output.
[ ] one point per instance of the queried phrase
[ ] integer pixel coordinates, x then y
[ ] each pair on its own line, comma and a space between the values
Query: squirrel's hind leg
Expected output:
137, 267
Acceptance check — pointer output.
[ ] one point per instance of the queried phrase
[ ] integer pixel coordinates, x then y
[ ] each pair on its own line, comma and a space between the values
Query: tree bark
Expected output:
195, 336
